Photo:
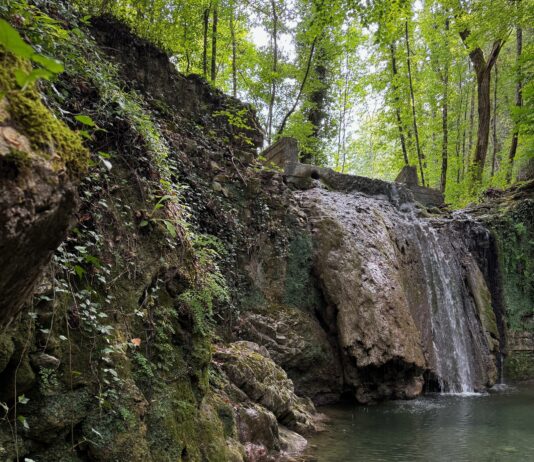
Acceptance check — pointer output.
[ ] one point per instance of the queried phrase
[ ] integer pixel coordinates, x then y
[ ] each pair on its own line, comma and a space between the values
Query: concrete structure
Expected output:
284, 153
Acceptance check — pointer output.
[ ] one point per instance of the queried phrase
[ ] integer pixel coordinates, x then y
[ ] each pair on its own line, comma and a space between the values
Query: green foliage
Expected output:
12, 42
515, 239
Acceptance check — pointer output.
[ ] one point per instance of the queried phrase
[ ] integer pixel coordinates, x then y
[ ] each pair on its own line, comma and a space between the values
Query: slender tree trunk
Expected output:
518, 101
471, 126
484, 117
420, 155
214, 43
343, 127
397, 103
459, 129
444, 119
205, 48
274, 39
494, 127
282, 126
187, 53
234, 52
483, 72
465, 155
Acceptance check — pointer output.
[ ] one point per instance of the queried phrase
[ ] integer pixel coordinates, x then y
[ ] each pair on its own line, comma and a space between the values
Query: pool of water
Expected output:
493, 427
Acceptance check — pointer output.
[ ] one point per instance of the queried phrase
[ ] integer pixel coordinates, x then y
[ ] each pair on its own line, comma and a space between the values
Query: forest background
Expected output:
367, 87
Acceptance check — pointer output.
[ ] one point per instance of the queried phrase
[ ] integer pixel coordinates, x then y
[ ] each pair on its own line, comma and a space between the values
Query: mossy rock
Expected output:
519, 366
7, 348
50, 139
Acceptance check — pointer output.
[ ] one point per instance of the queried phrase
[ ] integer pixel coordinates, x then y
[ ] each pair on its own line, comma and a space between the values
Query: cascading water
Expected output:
451, 338
409, 287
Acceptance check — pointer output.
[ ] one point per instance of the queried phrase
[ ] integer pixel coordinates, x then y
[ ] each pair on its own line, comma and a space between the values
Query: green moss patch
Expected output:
50, 138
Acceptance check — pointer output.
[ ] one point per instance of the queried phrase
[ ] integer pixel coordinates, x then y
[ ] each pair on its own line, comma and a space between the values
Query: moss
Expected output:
7, 348
49, 137
519, 366
299, 263
514, 233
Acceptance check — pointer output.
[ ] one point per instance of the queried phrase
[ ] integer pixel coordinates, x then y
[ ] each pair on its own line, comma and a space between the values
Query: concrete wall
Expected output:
283, 151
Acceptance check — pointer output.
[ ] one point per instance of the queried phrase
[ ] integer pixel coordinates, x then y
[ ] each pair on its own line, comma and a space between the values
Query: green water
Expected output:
485, 428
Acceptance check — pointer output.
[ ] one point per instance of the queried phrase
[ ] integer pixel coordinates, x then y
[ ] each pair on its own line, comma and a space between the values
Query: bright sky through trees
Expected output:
369, 86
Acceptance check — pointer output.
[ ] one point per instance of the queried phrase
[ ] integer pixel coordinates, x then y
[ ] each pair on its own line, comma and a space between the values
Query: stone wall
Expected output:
283, 151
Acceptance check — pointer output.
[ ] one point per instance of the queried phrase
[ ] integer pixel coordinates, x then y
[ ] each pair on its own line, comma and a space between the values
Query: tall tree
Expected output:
206, 22
494, 121
214, 42
420, 155
518, 100
445, 113
482, 67
397, 102
274, 77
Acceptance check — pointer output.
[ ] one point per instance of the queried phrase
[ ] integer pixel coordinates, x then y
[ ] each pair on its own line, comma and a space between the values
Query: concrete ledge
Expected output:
302, 175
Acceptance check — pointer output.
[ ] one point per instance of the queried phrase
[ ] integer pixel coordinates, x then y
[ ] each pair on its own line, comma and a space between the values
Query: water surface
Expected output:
494, 427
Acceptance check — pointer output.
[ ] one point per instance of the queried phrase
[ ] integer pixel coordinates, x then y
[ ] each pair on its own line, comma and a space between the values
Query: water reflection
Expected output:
493, 427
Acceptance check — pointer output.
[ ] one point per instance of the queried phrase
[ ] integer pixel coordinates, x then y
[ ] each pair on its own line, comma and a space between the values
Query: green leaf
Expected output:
11, 40
23, 421
85, 134
170, 228
23, 79
143, 223
50, 64
79, 271
85, 120
22, 399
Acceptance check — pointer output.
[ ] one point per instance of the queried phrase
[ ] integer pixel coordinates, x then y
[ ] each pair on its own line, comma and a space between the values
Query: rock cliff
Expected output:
199, 306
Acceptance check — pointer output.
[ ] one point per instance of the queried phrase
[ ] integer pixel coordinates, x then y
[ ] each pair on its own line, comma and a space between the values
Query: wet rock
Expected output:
292, 443
296, 341
380, 269
257, 425
7, 348
45, 361
265, 383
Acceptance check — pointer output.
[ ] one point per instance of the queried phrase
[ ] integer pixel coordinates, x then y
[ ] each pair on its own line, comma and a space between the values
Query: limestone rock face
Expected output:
36, 205
404, 295
355, 260
251, 370
297, 342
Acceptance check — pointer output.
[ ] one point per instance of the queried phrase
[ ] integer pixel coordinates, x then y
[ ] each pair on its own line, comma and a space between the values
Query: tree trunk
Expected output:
214, 43
483, 73
444, 119
343, 122
397, 104
205, 48
484, 117
518, 101
274, 39
301, 89
234, 52
420, 155
494, 125
471, 126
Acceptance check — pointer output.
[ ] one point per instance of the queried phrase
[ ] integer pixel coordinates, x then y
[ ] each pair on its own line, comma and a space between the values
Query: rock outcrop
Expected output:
39, 159
391, 279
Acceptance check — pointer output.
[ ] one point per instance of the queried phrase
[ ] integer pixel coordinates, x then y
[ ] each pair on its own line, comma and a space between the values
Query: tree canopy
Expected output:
367, 86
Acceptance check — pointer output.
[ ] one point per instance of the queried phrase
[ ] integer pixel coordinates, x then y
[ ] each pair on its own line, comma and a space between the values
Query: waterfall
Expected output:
409, 298
447, 300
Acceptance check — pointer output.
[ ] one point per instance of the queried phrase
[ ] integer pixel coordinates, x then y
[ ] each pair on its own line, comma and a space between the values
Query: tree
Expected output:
420, 155
482, 67
518, 100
